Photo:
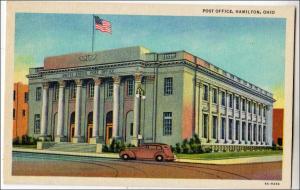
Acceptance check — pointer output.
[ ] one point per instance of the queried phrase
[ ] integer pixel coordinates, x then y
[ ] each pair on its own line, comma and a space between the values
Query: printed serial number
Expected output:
272, 183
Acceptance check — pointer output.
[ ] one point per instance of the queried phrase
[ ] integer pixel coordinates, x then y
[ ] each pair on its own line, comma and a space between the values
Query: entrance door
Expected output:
72, 126
89, 131
109, 127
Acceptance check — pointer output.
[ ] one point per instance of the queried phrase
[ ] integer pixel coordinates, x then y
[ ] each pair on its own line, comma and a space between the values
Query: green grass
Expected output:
25, 146
229, 155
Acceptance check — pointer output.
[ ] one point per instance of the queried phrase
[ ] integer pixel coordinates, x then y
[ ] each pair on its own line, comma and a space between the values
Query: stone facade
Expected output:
133, 94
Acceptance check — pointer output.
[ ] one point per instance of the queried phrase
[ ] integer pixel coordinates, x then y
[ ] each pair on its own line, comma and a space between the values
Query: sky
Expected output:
251, 48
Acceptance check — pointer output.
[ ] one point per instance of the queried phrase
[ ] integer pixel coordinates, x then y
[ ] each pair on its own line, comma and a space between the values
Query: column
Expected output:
234, 119
77, 135
246, 128
210, 117
219, 129
227, 118
200, 113
136, 110
60, 114
95, 139
44, 111
116, 100
240, 121
196, 108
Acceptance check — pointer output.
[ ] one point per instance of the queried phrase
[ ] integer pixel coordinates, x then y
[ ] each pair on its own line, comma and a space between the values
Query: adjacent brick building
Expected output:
20, 110
278, 126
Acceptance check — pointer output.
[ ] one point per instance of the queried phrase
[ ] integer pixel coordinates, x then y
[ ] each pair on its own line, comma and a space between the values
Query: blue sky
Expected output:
251, 48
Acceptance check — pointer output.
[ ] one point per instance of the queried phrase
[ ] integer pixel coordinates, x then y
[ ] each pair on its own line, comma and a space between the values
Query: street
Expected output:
36, 164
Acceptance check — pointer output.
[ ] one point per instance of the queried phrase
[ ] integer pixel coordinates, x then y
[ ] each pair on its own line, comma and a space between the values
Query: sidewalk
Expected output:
258, 159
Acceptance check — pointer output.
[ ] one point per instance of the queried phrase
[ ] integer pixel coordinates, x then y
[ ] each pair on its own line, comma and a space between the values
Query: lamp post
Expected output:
140, 95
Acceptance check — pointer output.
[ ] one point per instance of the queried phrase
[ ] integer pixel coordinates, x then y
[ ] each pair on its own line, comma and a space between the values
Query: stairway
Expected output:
73, 147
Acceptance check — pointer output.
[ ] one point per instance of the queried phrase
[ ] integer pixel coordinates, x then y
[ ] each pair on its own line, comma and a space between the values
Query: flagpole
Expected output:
93, 35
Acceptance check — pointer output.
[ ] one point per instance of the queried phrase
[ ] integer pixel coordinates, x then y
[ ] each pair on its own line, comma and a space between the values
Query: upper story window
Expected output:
130, 87
38, 93
215, 96
168, 86
110, 89
55, 92
72, 91
249, 107
167, 122
91, 87
205, 95
237, 102
24, 112
223, 98
243, 104
14, 95
26, 97
230, 100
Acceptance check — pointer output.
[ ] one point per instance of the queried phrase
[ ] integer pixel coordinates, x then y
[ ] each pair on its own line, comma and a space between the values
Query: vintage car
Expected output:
150, 151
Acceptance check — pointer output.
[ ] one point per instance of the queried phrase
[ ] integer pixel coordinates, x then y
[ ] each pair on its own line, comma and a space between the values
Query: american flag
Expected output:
102, 25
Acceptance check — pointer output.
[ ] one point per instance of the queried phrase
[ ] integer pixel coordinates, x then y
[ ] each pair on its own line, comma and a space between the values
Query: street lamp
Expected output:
140, 95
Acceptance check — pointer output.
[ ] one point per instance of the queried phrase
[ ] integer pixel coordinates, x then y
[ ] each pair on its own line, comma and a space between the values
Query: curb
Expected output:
248, 160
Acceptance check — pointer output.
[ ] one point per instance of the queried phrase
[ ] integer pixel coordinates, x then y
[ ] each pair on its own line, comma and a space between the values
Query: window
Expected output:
167, 130
259, 110
26, 97
223, 128
254, 108
215, 96
168, 86
223, 98
230, 128
37, 124
38, 93
23, 112
243, 104
14, 95
255, 132
215, 126
205, 95
131, 129
249, 107
55, 92
230, 100
91, 87
110, 89
205, 125
72, 91
14, 114
130, 87
243, 130
237, 103
237, 131
249, 132
264, 111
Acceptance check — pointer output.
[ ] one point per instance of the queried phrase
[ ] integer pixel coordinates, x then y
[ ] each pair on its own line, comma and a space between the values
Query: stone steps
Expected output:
71, 147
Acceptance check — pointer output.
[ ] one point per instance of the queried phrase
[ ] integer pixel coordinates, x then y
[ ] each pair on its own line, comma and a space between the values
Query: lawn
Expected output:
229, 155
25, 146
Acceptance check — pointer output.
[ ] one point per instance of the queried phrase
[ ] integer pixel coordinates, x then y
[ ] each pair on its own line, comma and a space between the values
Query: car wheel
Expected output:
125, 156
159, 158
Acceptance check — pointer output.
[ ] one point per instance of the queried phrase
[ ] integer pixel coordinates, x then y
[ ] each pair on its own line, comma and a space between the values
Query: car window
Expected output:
158, 148
151, 147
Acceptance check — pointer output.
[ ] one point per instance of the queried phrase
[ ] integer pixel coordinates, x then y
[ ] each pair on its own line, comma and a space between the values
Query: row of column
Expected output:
209, 139
77, 133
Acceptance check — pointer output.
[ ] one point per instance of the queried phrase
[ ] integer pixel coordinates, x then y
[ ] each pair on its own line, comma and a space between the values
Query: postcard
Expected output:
152, 95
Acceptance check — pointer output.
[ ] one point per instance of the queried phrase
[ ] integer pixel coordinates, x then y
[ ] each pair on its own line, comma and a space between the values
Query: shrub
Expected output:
172, 148
177, 148
105, 148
